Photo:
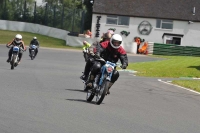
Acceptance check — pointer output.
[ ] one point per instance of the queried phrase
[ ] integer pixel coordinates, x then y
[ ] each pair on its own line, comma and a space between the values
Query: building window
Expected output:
117, 20
173, 40
169, 38
164, 24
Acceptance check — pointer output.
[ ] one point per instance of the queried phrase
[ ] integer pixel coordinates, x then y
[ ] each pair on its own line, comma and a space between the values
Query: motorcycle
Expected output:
32, 51
15, 56
101, 82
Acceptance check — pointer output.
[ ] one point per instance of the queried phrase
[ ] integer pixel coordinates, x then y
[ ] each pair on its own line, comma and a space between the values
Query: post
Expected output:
45, 17
82, 22
35, 13
73, 21
54, 16
24, 16
62, 19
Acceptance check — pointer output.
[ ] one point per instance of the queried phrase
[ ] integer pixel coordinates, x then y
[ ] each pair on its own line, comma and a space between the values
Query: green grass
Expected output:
45, 41
172, 66
191, 84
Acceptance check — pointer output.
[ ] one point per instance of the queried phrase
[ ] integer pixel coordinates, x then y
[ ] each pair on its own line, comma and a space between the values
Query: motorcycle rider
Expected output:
17, 41
35, 42
106, 36
91, 50
110, 51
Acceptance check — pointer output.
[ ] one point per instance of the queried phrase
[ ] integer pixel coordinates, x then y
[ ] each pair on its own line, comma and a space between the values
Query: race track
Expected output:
45, 95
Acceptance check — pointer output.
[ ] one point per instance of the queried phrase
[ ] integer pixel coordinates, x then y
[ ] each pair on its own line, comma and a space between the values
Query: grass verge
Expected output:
45, 41
191, 84
172, 67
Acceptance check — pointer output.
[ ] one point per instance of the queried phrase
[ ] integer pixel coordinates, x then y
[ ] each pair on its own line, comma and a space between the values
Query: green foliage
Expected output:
13, 10
63, 14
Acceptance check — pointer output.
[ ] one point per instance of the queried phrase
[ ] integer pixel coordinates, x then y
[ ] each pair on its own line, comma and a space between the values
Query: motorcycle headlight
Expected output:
109, 68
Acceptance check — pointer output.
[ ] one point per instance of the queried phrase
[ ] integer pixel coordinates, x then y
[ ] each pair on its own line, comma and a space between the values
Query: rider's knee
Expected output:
96, 67
115, 76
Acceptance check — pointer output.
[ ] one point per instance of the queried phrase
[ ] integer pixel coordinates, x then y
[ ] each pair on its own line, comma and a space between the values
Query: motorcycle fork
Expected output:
96, 83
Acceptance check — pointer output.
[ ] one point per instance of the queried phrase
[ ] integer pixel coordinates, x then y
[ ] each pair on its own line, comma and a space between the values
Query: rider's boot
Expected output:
109, 86
83, 77
9, 59
90, 81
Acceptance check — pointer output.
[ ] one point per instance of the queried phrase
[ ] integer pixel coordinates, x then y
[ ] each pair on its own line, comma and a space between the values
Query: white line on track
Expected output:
178, 86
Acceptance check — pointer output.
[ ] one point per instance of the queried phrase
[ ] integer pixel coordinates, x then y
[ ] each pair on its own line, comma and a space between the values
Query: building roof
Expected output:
163, 9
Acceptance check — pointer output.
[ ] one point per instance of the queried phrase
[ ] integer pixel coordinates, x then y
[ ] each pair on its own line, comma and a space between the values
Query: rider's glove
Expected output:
97, 56
84, 51
123, 66
7, 46
91, 53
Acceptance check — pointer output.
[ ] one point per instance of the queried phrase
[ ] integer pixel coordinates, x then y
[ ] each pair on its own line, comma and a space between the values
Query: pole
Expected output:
62, 19
45, 17
24, 16
54, 16
35, 13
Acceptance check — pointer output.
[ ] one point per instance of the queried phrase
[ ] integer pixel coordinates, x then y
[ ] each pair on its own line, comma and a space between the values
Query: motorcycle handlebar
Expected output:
23, 50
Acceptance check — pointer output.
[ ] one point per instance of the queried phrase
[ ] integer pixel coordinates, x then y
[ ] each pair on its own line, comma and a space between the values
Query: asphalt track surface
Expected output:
45, 95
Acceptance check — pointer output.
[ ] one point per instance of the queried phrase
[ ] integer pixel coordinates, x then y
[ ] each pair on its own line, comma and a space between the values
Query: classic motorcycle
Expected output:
32, 49
101, 82
15, 56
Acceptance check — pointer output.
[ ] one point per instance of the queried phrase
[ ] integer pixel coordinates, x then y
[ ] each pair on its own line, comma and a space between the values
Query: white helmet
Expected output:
18, 38
116, 38
35, 37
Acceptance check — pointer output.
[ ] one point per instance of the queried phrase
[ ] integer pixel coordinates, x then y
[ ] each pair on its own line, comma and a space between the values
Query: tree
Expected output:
1, 3
14, 9
88, 16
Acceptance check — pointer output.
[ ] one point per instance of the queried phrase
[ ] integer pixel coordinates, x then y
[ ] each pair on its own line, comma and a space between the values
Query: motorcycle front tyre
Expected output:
32, 55
90, 95
12, 63
101, 94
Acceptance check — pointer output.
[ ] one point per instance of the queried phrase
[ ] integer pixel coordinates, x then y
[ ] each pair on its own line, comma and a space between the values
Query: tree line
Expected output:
71, 15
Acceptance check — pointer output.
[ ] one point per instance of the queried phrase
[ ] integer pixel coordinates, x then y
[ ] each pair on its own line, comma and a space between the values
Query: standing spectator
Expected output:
88, 34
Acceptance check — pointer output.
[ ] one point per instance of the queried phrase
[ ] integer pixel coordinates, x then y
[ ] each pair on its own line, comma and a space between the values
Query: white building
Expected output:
159, 21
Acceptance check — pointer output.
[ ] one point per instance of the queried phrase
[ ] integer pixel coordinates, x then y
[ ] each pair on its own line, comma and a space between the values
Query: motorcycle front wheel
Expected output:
85, 88
32, 55
90, 95
12, 63
101, 92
